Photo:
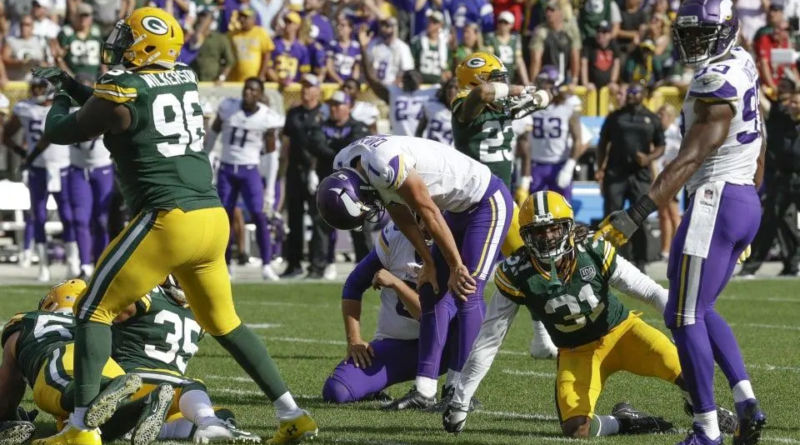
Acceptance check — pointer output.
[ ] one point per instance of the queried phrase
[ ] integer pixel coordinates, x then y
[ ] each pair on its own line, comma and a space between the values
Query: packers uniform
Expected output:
507, 51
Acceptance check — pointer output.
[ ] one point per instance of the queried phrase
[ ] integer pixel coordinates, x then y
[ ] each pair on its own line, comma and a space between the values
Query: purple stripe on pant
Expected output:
90, 196
37, 186
701, 334
245, 179
479, 232
545, 177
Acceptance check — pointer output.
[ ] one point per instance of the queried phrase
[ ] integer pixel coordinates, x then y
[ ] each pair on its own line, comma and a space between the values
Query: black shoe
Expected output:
635, 422
412, 400
751, 422
315, 275
447, 396
381, 396
292, 272
726, 419
243, 258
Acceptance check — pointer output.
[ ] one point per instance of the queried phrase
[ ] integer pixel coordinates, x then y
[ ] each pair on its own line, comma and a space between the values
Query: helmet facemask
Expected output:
550, 240
698, 45
117, 44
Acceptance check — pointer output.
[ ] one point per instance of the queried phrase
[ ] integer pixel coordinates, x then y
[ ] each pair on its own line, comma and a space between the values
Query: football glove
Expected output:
566, 174
617, 228
56, 76
454, 419
745, 255
313, 182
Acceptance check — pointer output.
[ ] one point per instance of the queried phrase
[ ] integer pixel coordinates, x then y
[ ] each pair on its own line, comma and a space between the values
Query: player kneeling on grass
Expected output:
392, 356
565, 282
38, 350
155, 338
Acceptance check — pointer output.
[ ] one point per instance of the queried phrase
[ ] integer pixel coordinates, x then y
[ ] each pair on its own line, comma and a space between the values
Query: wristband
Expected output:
642, 209
525, 182
500, 90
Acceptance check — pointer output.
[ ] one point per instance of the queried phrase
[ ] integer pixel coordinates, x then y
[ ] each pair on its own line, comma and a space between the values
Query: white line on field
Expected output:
757, 300
529, 373
248, 392
768, 367
511, 415
228, 378
371, 442
281, 303
780, 440
657, 322
263, 325
340, 342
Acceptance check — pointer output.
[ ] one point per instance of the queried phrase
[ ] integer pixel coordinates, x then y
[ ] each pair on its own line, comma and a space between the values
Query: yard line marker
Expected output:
263, 325
247, 392
547, 375
659, 323
780, 440
371, 442
511, 415
768, 367
340, 342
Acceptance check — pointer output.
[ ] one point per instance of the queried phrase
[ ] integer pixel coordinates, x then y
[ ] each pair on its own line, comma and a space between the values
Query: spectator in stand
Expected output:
43, 27
252, 46
779, 38
640, 67
669, 216
183, 10
463, 12
514, 7
472, 43
80, 44
363, 111
662, 7
344, 56
317, 57
634, 23
214, 57
290, 59
230, 19
658, 31
752, 16
390, 55
430, 52
600, 64
594, 13
321, 29
419, 15
774, 18
554, 44
507, 46
21, 54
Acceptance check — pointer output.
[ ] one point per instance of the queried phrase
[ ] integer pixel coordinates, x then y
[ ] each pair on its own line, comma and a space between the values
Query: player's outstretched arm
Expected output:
97, 116
482, 95
628, 279
380, 90
12, 384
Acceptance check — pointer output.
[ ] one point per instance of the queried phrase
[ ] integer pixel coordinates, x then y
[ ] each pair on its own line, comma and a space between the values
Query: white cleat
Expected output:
269, 274
231, 273
44, 274
218, 430
25, 258
330, 272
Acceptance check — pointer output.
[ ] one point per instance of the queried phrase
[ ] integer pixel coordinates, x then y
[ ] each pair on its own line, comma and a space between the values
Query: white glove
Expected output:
269, 205
541, 97
565, 175
313, 182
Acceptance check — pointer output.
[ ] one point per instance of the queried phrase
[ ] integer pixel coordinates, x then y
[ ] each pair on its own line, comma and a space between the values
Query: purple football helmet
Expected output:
704, 31
549, 79
345, 200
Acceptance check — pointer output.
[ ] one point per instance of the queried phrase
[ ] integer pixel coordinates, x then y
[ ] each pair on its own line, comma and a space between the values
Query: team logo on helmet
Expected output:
476, 62
155, 25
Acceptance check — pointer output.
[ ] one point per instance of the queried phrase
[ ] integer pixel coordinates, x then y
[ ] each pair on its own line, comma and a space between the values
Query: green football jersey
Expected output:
486, 139
40, 334
161, 335
576, 311
82, 54
430, 58
507, 52
159, 160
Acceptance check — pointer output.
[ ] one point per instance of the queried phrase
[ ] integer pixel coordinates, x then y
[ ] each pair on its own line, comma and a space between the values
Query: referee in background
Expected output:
631, 138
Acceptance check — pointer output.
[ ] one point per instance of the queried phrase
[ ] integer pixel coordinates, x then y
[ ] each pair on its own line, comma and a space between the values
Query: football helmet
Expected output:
547, 225
704, 31
346, 200
480, 68
147, 36
41, 90
174, 290
63, 296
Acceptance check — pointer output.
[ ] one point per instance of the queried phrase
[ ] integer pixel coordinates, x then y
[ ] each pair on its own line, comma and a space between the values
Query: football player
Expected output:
152, 120
38, 349
47, 165
564, 282
410, 174
391, 357
435, 123
721, 164
249, 129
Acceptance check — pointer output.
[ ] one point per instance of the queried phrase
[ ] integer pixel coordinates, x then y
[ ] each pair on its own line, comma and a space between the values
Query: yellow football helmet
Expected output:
547, 225
62, 296
147, 36
479, 68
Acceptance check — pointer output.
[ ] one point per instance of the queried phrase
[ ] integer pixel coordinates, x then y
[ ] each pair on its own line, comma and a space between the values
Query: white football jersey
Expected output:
550, 138
405, 109
520, 127
440, 122
397, 255
243, 134
734, 80
455, 181
365, 112
89, 154
389, 60
33, 117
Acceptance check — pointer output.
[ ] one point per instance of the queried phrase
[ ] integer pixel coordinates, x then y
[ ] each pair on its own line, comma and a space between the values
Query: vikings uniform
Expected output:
440, 125
396, 338
242, 145
345, 58
405, 108
551, 145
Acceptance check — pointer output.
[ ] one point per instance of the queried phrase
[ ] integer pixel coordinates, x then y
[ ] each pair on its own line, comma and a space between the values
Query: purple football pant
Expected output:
28, 234
479, 232
701, 334
545, 177
245, 179
90, 195
37, 186
277, 226
395, 362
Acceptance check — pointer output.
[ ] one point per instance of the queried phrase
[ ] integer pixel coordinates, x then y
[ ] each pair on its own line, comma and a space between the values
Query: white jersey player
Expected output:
405, 106
388, 55
437, 118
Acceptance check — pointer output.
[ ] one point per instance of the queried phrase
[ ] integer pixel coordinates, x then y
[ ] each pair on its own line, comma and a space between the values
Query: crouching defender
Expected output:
565, 282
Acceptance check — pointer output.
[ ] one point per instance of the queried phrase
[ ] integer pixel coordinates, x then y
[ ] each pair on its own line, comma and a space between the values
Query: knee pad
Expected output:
335, 391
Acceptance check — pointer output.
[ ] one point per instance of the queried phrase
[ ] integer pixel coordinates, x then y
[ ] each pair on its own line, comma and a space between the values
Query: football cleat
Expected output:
103, 406
453, 419
412, 400
295, 430
751, 422
447, 396
215, 429
698, 437
269, 274
728, 422
72, 436
152, 417
636, 422
381, 396
16, 432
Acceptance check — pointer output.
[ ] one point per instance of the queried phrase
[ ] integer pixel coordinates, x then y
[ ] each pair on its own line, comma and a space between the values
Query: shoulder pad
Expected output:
604, 252
116, 86
505, 278
712, 86
12, 326
460, 96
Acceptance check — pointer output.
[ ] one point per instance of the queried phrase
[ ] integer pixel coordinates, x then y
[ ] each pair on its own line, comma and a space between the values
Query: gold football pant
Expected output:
190, 245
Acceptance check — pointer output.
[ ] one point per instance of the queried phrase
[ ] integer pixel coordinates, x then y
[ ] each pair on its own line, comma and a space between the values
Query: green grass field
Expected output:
302, 326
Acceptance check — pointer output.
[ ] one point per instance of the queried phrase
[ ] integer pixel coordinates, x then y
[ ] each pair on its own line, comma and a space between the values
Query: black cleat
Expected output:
412, 400
152, 416
727, 420
751, 421
447, 396
381, 396
315, 275
292, 272
106, 403
636, 422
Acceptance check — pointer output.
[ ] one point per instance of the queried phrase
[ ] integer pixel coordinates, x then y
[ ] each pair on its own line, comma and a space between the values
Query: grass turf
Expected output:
302, 326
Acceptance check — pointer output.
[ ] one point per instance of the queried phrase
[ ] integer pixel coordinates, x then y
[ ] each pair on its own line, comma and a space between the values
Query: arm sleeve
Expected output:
360, 278
632, 281
499, 316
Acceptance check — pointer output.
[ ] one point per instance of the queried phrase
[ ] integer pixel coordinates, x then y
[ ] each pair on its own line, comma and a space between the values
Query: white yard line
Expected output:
658, 323
262, 325
547, 375
248, 392
780, 440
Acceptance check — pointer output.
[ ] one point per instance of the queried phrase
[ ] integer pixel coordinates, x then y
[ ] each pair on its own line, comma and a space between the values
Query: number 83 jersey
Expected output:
575, 311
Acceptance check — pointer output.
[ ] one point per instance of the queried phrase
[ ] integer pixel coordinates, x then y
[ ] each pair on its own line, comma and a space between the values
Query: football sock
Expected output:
743, 391
286, 409
252, 355
452, 378
92, 351
76, 419
426, 386
539, 332
604, 426
176, 430
708, 422
196, 405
